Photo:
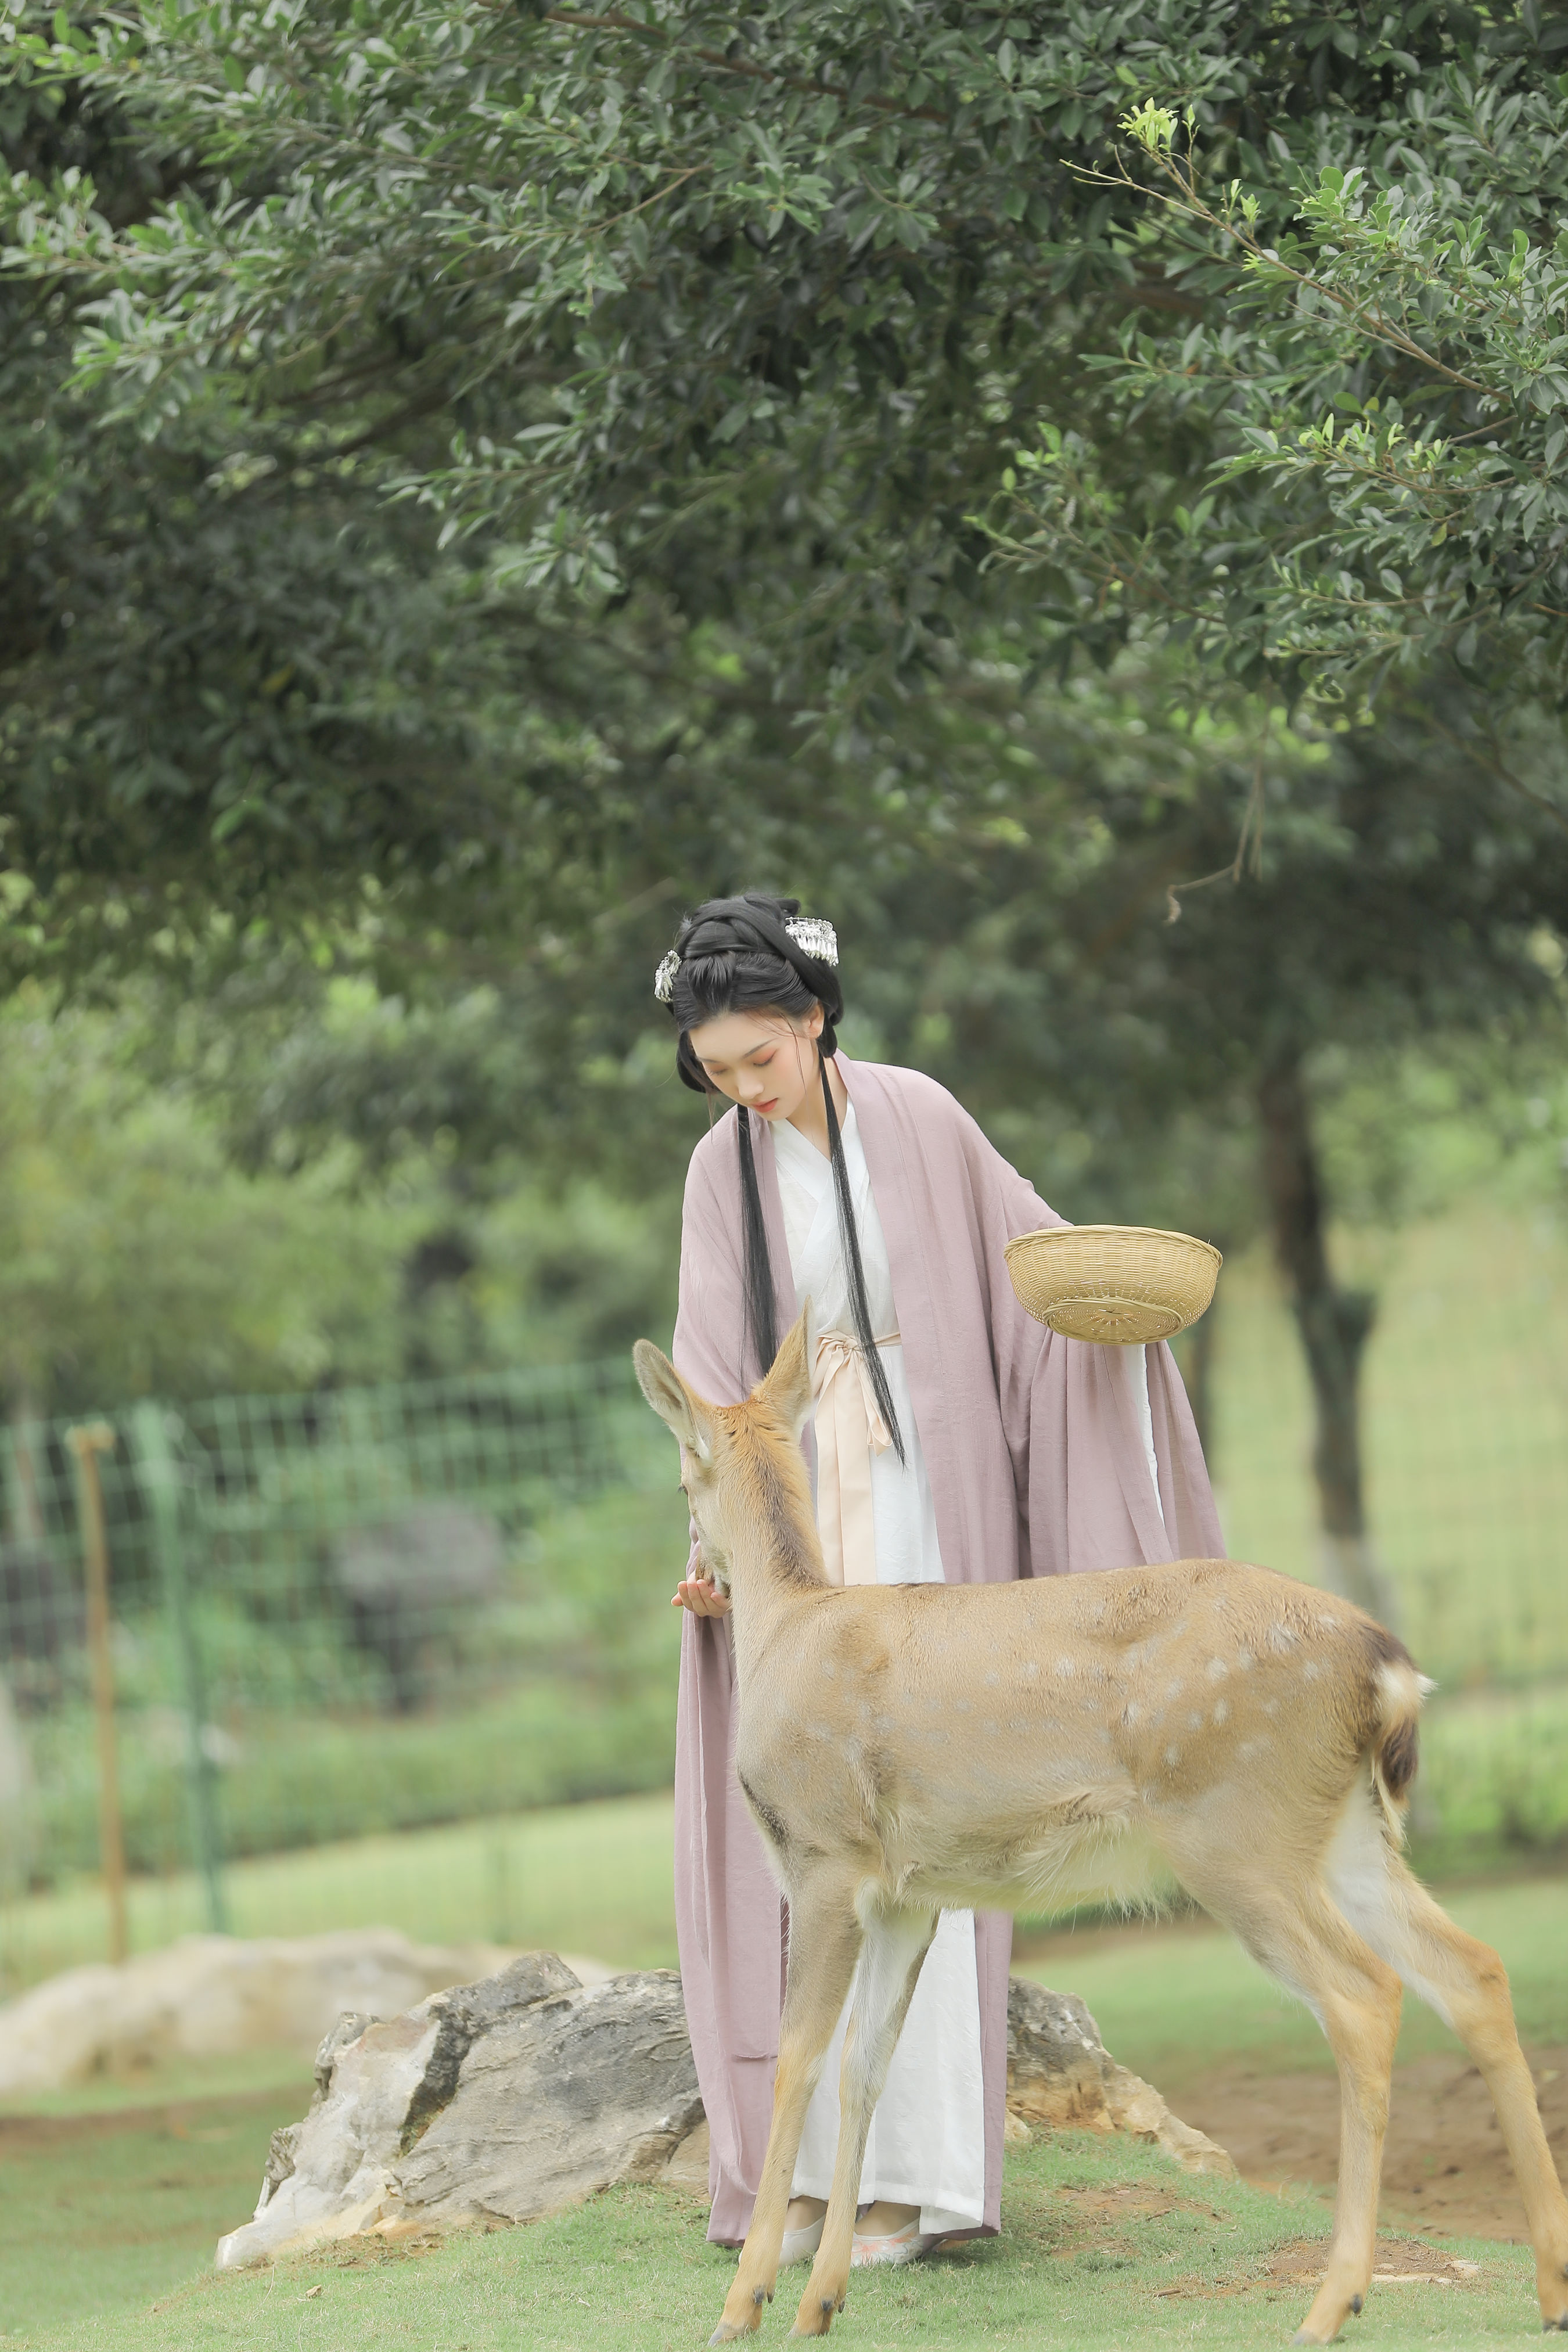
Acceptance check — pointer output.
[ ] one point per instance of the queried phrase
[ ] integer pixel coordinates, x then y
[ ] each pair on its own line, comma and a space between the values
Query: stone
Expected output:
498, 2101
210, 1996
512, 2098
1061, 2077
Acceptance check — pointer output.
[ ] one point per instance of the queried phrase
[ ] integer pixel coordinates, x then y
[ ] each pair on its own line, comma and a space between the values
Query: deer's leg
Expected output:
1467, 1984
1299, 1935
895, 1944
824, 1944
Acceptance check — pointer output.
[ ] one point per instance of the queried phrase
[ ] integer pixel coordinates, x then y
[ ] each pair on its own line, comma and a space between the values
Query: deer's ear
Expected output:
789, 1386
678, 1407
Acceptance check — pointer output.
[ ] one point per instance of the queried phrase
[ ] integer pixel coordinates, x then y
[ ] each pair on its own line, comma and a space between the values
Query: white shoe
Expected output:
799, 2245
905, 2245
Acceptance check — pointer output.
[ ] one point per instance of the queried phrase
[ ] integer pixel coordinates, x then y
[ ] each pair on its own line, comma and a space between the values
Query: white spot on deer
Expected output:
1173, 1690
829, 1668
1221, 1712
1132, 1712
1311, 1670
1245, 1661
1271, 1706
1065, 1669
1030, 1668
1217, 1669
961, 1706
1194, 1722
1249, 1749
992, 1728
1172, 1757
1280, 1638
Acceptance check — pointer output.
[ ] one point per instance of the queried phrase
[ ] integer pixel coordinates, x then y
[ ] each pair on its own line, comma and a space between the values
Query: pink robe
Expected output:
1038, 1467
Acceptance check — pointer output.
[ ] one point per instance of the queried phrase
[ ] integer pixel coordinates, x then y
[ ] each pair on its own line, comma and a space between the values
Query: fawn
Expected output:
905, 1749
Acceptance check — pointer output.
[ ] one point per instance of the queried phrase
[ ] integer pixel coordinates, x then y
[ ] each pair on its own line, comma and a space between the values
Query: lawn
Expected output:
100, 2210
1173, 2001
1103, 2243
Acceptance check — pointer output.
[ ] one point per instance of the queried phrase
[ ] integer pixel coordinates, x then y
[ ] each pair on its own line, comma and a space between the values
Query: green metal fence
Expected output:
332, 1614
355, 1640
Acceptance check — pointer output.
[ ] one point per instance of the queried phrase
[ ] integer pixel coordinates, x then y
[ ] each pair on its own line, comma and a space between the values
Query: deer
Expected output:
909, 1748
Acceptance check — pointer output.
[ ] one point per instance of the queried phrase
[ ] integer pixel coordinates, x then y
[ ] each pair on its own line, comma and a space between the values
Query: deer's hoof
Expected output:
729, 2330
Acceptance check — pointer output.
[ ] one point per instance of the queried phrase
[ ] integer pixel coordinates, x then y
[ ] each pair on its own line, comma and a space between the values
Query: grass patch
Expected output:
1102, 2242
98, 2216
1466, 1433
592, 1878
1174, 2001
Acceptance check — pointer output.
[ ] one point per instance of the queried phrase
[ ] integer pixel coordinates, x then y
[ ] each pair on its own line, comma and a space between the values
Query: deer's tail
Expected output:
1398, 1691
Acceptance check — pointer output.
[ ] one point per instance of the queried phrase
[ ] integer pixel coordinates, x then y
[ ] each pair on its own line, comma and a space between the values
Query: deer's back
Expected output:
969, 1733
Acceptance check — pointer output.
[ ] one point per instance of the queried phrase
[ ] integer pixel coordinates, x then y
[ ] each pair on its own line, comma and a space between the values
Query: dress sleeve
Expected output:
710, 1320
1088, 1494
709, 1323
992, 1177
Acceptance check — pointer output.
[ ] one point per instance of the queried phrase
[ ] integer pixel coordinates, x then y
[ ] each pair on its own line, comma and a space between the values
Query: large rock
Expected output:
1061, 2077
209, 1995
510, 2099
502, 2100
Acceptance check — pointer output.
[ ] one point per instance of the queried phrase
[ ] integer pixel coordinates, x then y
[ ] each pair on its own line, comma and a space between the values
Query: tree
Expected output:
1389, 911
1375, 387
757, 314
1162, 1072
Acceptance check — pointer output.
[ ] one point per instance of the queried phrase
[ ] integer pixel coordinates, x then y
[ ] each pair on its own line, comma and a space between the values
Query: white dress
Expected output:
927, 2145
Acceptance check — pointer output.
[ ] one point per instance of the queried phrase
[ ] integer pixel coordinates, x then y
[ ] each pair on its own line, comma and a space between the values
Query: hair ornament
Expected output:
815, 937
812, 934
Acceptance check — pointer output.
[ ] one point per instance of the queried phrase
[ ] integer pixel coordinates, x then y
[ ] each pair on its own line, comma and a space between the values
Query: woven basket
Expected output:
1120, 1285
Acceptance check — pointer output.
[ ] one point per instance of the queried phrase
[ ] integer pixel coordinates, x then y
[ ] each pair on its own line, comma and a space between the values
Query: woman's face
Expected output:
766, 1060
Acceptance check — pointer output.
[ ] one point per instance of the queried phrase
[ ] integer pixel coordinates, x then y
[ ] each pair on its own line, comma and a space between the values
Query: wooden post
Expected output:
87, 1442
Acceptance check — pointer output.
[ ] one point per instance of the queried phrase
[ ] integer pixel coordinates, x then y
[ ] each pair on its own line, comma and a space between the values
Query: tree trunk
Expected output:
1334, 1325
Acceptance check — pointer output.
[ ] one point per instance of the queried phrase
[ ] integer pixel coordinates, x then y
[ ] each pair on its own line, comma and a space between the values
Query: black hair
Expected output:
736, 956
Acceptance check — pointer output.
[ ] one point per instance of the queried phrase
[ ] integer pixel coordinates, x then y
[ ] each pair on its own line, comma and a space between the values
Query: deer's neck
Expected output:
775, 1559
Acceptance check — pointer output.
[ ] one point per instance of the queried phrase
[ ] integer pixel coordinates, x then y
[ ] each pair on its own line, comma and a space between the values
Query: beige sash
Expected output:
849, 1429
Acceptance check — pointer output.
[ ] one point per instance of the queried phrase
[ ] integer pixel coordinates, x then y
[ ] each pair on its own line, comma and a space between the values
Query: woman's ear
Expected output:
813, 1020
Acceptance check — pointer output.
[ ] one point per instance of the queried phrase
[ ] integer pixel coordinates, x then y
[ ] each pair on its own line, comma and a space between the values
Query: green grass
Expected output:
1173, 2001
1464, 1391
1103, 2243
138, 2189
100, 2217
590, 1878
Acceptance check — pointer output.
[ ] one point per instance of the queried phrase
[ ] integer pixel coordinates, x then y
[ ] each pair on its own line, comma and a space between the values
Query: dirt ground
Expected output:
1444, 2169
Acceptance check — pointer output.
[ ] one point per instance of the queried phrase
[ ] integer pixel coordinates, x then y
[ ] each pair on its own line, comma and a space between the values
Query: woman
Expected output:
954, 1439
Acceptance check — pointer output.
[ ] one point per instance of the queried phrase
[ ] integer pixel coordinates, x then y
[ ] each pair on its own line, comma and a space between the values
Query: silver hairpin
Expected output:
664, 978
812, 934
815, 938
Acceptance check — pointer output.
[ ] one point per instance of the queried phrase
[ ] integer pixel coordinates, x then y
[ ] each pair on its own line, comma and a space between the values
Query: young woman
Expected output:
954, 1438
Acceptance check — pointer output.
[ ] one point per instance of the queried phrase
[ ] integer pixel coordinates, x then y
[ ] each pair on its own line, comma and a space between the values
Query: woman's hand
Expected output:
701, 1596
696, 1592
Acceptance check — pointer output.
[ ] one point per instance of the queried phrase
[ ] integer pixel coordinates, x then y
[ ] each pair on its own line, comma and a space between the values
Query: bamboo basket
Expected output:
1119, 1285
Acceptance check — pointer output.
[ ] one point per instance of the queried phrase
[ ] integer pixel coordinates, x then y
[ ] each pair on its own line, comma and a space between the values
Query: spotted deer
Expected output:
905, 1749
